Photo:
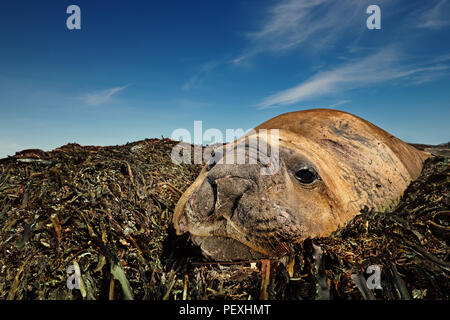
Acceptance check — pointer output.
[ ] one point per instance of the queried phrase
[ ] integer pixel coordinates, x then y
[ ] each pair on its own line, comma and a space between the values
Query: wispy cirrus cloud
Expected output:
290, 23
97, 98
385, 65
340, 103
321, 24
198, 77
437, 16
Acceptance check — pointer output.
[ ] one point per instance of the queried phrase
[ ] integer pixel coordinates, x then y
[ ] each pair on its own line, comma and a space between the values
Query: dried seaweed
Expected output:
106, 209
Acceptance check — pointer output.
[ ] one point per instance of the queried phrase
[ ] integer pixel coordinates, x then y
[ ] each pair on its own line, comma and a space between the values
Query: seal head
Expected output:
325, 167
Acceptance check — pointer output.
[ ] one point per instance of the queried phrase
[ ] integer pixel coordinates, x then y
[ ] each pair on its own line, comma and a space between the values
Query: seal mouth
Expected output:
225, 249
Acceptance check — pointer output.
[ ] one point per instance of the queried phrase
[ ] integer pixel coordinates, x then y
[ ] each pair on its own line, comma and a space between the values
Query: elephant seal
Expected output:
332, 166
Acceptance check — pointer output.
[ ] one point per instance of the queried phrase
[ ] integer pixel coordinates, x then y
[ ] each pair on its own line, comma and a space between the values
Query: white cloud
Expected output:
340, 103
101, 97
437, 17
320, 24
380, 67
197, 78
290, 23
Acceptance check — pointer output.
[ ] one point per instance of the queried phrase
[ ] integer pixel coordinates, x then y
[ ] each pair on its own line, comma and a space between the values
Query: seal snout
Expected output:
216, 199
215, 210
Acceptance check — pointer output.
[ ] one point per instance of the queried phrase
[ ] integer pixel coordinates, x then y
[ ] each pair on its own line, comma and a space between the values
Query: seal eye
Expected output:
306, 176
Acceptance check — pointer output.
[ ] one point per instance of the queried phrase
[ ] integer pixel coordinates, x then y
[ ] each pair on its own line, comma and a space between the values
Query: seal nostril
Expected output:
211, 163
213, 184
211, 180
236, 203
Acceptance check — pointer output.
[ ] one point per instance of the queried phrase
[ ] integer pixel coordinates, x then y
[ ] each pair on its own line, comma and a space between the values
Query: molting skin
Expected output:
331, 165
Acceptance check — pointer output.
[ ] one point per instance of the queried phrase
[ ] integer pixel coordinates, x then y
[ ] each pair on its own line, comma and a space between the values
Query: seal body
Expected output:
331, 166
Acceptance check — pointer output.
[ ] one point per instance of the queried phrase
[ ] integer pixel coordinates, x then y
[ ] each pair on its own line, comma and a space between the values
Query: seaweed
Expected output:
106, 212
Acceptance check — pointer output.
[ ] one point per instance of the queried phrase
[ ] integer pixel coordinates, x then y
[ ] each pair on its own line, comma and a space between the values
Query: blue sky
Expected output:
141, 69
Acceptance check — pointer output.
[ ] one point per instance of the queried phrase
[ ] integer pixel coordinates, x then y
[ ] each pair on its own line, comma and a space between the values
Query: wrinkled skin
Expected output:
331, 166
